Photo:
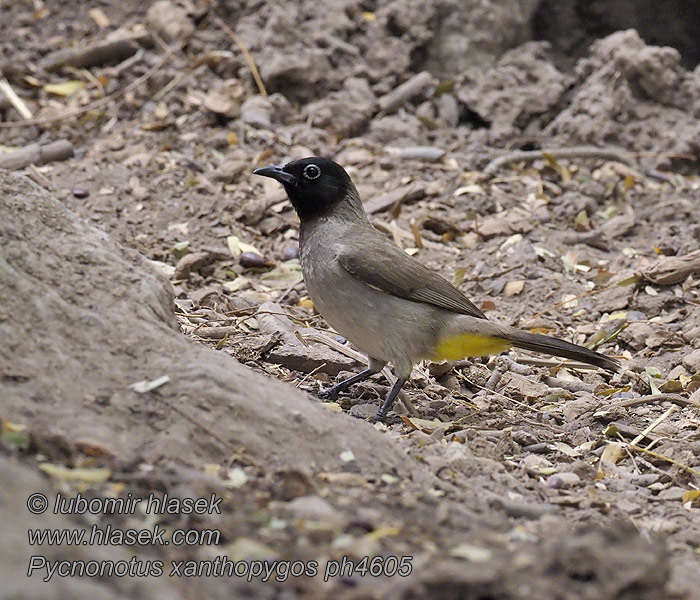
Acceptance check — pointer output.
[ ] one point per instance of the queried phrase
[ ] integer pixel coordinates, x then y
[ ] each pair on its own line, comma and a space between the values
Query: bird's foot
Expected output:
378, 418
329, 394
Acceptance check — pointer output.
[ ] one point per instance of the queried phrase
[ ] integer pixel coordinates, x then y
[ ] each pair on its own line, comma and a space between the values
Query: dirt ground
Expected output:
544, 159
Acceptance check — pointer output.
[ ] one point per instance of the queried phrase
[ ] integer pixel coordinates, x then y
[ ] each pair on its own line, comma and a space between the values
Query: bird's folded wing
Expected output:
383, 265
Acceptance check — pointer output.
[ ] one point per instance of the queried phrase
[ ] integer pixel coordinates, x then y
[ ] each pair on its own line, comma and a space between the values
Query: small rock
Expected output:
209, 296
692, 361
448, 110
673, 493
291, 253
359, 547
252, 345
535, 461
457, 455
310, 358
364, 411
292, 483
692, 335
313, 508
563, 480
257, 112
169, 20
80, 192
346, 112
221, 104
190, 262
232, 166
424, 153
522, 388
355, 156
676, 372
524, 510
253, 260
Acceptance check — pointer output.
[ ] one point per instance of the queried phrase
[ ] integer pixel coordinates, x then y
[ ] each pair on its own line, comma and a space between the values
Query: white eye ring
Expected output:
312, 171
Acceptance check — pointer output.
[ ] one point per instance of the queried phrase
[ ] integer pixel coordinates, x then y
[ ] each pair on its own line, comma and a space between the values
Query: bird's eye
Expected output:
312, 172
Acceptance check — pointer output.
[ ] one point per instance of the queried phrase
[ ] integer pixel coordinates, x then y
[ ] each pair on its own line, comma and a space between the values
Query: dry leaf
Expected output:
101, 19
612, 452
65, 88
85, 475
141, 387
690, 496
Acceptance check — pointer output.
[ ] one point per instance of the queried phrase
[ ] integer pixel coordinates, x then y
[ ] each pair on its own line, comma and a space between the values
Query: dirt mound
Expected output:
97, 318
637, 97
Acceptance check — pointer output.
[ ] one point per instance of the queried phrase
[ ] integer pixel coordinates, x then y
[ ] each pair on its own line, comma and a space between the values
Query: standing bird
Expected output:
384, 301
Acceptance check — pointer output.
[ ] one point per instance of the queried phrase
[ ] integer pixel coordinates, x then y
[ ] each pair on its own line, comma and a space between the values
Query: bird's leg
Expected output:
389, 402
375, 365
332, 392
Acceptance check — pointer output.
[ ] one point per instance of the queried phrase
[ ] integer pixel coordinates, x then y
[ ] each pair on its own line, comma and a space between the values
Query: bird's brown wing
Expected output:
376, 261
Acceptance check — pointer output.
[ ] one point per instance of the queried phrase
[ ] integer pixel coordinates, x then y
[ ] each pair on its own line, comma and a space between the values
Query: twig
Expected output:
309, 374
97, 54
651, 427
494, 275
241, 46
667, 459
625, 447
288, 291
571, 386
404, 92
216, 333
36, 154
98, 103
38, 177
14, 99
416, 234
576, 152
161, 93
543, 362
675, 398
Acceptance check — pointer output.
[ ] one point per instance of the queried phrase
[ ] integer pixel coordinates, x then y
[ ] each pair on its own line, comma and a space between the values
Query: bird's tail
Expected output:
557, 347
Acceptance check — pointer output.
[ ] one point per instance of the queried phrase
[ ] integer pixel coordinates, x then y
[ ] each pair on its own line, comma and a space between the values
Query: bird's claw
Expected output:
328, 394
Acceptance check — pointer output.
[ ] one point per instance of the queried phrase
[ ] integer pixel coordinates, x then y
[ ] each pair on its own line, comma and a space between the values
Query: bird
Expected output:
385, 302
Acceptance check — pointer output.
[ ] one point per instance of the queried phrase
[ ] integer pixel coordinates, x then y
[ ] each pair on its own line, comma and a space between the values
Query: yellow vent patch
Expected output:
469, 344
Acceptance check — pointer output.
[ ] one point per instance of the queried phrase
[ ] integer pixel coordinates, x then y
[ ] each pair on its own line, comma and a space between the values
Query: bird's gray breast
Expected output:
383, 326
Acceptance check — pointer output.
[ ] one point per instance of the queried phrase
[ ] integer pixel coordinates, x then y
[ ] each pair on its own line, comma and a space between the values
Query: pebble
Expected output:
291, 253
190, 262
169, 20
426, 153
364, 411
313, 508
563, 480
692, 361
310, 358
80, 192
253, 260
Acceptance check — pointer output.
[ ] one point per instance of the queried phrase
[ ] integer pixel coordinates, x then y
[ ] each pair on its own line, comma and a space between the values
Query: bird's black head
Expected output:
315, 185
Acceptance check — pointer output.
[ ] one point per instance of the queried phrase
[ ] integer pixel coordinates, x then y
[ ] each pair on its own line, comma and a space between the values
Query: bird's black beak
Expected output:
277, 173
